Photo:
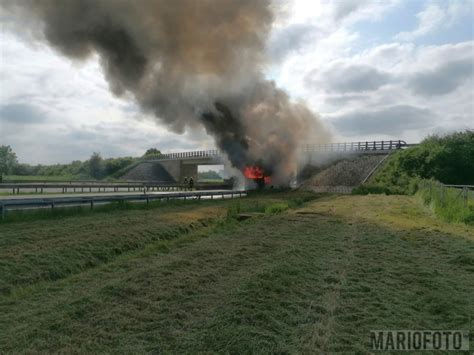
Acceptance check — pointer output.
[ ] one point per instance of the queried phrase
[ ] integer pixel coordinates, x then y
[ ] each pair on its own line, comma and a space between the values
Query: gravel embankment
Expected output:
344, 173
148, 171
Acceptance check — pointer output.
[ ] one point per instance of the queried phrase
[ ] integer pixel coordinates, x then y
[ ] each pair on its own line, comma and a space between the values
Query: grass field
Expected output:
304, 274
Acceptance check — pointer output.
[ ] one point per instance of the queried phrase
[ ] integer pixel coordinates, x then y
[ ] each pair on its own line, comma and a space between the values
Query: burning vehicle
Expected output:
257, 175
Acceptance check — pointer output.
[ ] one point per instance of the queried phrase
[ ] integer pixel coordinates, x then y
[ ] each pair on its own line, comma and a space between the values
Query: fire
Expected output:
256, 173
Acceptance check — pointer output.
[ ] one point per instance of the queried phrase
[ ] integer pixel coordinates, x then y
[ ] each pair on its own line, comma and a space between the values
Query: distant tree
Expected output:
24, 169
113, 165
152, 151
209, 175
96, 166
8, 160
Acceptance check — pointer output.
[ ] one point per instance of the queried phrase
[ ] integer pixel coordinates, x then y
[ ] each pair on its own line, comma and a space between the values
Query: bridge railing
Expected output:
356, 146
193, 154
332, 147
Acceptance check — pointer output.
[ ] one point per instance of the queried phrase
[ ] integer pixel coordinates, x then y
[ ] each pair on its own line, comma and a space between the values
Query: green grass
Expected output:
315, 277
448, 203
277, 208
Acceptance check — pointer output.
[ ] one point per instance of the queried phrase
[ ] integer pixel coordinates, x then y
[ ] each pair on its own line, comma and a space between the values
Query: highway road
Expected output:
15, 202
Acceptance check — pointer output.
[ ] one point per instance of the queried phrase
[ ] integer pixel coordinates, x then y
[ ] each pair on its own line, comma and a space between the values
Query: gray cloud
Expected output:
290, 39
443, 79
97, 135
46, 145
393, 120
170, 144
85, 135
344, 99
343, 8
19, 113
344, 78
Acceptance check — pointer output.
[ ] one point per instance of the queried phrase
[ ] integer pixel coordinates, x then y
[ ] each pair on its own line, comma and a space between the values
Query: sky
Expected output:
372, 70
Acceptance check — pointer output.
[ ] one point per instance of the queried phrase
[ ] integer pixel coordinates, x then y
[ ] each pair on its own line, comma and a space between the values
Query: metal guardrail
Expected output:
92, 200
441, 190
374, 169
75, 186
91, 182
356, 146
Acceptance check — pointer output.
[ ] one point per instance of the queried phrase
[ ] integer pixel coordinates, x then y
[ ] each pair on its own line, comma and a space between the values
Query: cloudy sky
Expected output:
381, 69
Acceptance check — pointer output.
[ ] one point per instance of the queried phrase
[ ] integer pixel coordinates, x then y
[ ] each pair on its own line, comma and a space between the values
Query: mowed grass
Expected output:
305, 274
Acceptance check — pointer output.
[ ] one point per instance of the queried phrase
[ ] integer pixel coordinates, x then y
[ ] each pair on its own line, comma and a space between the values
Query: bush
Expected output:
8, 160
113, 165
209, 175
448, 159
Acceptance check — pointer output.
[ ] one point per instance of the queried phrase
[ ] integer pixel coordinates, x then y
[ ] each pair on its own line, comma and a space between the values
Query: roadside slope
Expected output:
347, 172
148, 171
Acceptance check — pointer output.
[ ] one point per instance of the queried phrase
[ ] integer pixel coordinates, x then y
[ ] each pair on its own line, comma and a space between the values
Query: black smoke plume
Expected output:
190, 63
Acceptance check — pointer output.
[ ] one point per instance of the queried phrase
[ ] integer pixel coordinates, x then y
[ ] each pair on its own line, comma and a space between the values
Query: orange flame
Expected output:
256, 173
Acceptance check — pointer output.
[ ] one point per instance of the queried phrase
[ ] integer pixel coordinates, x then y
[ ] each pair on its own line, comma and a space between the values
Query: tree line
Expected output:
95, 167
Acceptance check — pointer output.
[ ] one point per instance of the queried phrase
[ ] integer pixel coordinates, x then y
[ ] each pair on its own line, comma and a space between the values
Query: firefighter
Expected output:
191, 183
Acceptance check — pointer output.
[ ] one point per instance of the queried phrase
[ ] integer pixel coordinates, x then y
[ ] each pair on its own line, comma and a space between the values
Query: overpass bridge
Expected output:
181, 164
367, 147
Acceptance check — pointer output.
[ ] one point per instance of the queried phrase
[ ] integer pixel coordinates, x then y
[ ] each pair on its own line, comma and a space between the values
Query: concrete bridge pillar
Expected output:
179, 170
189, 170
